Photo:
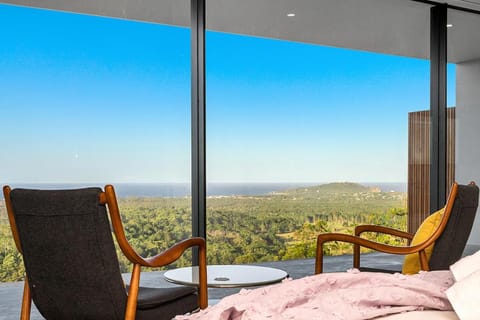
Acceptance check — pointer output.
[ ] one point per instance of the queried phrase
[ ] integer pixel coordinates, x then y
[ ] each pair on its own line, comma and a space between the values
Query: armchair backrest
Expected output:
69, 254
451, 243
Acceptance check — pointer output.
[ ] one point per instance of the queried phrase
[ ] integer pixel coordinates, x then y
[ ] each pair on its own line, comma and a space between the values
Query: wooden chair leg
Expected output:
131, 310
202, 289
423, 260
319, 257
356, 256
26, 302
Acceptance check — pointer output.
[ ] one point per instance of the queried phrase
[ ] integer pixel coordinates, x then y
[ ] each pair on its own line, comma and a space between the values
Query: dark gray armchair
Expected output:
449, 238
72, 270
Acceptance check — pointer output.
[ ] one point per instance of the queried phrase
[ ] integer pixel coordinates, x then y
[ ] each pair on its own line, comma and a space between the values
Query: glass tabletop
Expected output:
227, 276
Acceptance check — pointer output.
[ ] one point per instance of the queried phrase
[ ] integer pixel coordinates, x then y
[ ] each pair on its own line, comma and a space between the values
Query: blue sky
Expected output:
89, 99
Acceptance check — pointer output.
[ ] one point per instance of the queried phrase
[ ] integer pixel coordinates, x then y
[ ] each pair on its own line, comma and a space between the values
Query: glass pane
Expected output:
463, 93
87, 101
308, 123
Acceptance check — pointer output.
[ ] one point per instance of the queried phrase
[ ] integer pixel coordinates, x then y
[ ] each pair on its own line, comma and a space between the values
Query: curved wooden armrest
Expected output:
381, 229
174, 252
403, 250
162, 259
166, 257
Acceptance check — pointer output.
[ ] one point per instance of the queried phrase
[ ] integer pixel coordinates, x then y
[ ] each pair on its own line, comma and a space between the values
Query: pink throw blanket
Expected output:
352, 295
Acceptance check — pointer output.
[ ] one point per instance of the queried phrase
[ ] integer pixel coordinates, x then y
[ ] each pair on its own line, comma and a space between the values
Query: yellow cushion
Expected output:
411, 263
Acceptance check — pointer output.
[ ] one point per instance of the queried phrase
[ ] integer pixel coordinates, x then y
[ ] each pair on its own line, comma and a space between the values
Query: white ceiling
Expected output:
398, 27
469, 4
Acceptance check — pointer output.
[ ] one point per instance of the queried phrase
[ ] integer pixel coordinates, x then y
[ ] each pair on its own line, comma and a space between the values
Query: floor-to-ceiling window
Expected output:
88, 100
298, 114
308, 123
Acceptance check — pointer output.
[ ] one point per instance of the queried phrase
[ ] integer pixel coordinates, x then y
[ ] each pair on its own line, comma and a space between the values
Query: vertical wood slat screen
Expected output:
419, 164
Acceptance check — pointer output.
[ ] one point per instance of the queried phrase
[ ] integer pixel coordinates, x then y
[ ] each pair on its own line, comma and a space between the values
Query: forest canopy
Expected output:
245, 229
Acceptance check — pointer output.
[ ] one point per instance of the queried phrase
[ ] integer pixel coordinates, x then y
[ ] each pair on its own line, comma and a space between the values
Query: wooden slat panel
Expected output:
419, 164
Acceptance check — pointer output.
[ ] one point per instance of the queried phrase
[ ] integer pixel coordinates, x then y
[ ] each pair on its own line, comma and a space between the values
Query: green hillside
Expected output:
245, 229
331, 188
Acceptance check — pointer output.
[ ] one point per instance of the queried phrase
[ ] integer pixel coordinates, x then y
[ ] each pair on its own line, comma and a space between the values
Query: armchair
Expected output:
72, 270
448, 238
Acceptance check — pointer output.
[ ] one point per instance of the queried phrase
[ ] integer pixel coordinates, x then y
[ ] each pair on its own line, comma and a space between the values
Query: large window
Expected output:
88, 101
305, 138
317, 118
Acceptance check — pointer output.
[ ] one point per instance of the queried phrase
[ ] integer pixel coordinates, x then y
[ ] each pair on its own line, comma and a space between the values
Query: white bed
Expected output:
355, 295
463, 294
352, 295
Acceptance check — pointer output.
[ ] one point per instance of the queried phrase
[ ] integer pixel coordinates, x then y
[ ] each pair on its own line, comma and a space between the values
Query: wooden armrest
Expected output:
173, 253
380, 229
357, 241
159, 260
166, 257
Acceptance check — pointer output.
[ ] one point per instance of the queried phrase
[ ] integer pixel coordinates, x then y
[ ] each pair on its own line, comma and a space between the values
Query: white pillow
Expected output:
464, 297
465, 266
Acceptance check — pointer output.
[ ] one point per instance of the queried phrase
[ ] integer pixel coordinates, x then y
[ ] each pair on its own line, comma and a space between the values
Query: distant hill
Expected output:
329, 189
335, 188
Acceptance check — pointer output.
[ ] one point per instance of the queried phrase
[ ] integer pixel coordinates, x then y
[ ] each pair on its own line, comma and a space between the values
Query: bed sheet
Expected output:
351, 295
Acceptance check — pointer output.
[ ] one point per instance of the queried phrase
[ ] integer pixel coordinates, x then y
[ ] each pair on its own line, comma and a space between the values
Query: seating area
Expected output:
239, 132
74, 271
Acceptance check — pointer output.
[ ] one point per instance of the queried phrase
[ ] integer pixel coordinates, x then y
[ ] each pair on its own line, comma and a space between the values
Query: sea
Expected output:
213, 189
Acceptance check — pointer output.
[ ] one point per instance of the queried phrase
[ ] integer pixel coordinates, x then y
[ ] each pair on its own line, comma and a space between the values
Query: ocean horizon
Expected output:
179, 189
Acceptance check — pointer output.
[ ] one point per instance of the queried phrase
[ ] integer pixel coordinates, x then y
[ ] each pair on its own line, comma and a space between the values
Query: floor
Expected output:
11, 293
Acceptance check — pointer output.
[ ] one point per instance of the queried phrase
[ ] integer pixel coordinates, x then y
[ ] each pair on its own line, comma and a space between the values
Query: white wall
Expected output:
468, 131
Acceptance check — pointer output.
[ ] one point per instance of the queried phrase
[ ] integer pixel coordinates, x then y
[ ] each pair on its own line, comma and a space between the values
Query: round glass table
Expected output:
227, 276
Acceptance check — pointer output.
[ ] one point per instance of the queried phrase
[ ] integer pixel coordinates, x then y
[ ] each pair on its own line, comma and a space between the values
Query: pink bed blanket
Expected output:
352, 295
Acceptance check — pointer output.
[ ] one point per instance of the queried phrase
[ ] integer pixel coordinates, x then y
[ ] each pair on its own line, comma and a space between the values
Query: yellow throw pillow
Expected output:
411, 263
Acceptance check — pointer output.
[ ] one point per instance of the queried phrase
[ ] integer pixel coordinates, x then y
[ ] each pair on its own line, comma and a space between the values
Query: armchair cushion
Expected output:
411, 262
154, 297
171, 301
